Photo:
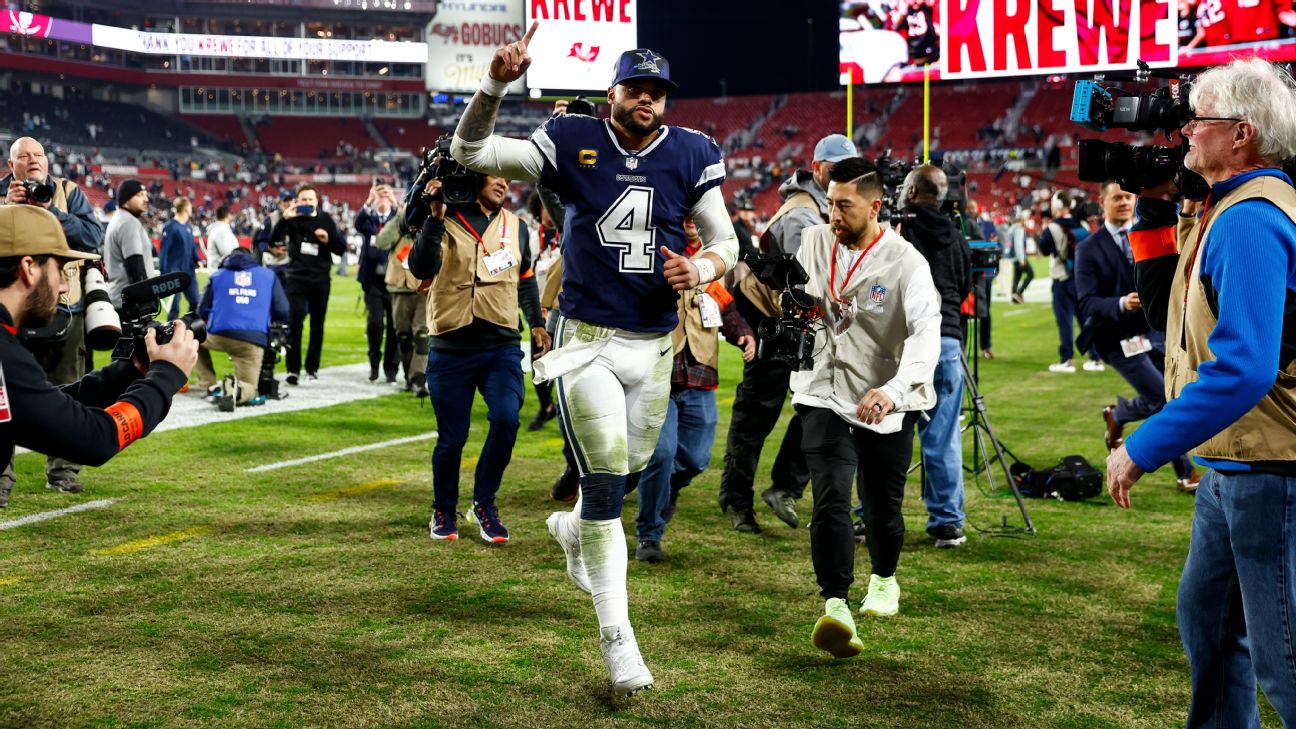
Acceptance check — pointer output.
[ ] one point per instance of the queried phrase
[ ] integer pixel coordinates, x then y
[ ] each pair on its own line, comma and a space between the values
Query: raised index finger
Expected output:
526, 39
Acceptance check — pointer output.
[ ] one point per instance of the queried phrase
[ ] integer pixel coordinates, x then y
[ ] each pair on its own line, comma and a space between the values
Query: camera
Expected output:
102, 325
1098, 107
985, 257
267, 385
39, 191
893, 174
581, 106
141, 303
790, 338
459, 185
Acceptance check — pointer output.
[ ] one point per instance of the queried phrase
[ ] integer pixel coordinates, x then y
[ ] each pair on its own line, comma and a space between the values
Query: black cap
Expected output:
128, 190
643, 63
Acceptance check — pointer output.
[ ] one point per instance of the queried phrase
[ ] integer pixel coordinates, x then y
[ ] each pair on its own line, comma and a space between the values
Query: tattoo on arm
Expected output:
478, 120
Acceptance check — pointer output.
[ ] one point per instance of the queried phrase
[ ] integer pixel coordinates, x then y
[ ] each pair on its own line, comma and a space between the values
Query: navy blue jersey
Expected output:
621, 208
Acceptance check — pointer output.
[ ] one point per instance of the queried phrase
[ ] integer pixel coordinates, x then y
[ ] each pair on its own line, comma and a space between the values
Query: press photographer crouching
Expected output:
871, 376
474, 257
1221, 280
239, 303
91, 420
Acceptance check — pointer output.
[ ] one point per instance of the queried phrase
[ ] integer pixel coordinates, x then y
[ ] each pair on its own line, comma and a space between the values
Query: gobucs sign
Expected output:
986, 38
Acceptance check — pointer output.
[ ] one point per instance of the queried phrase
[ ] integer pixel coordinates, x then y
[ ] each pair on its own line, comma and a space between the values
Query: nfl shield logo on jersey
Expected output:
877, 294
243, 278
631, 162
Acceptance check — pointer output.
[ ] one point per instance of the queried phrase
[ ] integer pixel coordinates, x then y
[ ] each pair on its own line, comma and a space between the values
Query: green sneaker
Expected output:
883, 599
835, 631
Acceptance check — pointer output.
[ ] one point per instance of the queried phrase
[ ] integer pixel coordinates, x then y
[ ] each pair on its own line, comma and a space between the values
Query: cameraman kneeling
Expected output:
872, 375
88, 421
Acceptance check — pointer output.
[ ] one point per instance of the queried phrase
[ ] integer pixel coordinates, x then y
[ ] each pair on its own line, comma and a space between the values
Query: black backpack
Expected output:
1073, 479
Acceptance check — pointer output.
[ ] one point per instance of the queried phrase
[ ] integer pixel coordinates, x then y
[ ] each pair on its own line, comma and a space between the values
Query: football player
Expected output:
627, 183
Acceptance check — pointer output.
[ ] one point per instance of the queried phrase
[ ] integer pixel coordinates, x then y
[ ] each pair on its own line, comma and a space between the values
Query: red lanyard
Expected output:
503, 230
1192, 260
832, 275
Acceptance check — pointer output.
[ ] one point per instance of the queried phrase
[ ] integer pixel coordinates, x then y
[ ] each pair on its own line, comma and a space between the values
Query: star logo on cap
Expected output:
648, 61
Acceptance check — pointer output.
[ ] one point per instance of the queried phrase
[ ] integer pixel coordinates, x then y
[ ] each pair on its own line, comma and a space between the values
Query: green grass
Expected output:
295, 611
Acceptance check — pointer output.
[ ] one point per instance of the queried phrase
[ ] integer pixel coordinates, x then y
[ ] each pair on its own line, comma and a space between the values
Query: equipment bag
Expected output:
1073, 479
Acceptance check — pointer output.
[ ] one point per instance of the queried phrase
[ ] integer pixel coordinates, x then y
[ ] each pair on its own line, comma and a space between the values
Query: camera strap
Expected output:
1192, 260
503, 230
832, 271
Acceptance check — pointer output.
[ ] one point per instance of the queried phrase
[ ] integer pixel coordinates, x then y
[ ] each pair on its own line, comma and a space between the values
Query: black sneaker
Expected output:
292, 378
783, 506
442, 525
312, 375
565, 488
860, 535
65, 485
542, 416
649, 551
488, 523
228, 394
743, 520
948, 536
373, 373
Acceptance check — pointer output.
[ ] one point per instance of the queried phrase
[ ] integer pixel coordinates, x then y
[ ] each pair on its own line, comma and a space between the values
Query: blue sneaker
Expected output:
258, 400
488, 523
443, 526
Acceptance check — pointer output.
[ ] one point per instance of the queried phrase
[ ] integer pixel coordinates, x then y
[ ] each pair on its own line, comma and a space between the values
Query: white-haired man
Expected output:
1226, 301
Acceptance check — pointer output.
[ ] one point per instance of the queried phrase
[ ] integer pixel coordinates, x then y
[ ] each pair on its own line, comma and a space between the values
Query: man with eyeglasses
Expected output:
1227, 301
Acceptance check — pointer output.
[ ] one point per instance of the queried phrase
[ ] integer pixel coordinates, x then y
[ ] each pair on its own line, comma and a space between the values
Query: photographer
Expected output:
371, 272
475, 259
312, 239
88, 421
758, 401
871, 378
274, 254
1224, 299
61, 355
408, 303
128, 250
1060, 239
238, 305
936, 237
179, 252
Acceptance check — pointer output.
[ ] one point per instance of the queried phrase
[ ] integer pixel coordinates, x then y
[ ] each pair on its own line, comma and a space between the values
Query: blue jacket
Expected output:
179, 251
242, 298
373, 261
1102, 277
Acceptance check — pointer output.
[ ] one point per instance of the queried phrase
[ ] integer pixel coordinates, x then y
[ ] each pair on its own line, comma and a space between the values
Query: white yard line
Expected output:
45, 515
338, 454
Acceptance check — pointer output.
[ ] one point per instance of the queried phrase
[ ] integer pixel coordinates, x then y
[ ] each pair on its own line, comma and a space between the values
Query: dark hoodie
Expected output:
240, 316
934, 235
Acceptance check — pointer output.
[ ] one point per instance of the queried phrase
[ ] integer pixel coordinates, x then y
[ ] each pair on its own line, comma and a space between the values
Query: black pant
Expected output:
757, 405
1023, 274
378, 305
834, 451
304, 296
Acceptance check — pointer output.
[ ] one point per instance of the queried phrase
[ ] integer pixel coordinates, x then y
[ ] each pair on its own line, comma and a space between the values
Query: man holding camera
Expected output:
312, 239
1114, 324
758, 401
91, 420
939, 240
871, 378
274, 254
62, 356
476, 261
408, 302
628, 183
1060, 240
379, 208
240, 301
1221, 278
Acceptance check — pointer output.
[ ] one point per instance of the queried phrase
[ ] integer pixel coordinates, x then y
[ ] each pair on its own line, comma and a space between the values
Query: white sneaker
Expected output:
835, 631
1067, 366
624, 663
883, 599
567, 534
1093, 365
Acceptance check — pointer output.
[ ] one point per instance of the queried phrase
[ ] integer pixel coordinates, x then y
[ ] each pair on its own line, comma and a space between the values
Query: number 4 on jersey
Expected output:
627, 225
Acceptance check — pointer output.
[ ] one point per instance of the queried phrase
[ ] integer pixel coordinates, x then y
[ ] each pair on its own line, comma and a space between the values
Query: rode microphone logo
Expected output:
582, 52
984, 38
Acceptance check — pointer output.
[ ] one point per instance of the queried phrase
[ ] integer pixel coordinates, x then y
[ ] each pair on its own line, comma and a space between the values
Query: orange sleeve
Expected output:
1153, 243
130, 426
717, 291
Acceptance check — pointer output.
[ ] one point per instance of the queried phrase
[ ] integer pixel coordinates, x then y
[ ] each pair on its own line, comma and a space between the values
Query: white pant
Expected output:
614, 403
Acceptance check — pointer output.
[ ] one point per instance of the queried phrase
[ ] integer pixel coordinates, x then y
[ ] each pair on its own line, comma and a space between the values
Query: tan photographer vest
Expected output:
464, 289
1268, 431
762, 296
398, 277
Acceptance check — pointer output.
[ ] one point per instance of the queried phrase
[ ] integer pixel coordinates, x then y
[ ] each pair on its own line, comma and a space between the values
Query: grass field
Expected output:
312, 596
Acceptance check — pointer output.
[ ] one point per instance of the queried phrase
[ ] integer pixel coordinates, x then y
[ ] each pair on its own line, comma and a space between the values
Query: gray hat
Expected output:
834, 148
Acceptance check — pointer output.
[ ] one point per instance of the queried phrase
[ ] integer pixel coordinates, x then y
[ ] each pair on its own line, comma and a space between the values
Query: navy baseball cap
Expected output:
643, 63
286, 195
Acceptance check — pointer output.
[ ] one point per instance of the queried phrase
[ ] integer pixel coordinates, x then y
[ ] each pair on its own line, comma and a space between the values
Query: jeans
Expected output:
1064, 311
190, 294
1237, 599
942, 441
452, 380
683, 452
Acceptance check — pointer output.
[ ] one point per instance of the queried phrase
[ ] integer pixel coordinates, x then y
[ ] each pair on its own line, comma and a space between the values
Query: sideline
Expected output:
46, 515
339, 454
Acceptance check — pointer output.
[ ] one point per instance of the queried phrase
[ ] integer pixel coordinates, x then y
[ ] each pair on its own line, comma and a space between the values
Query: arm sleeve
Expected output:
528, 287
261, 239
1156, 256
554, 205
715, 228
514, 159
922, 346
786, 232
389, 236
1046, 246
733, 326
83, 230
336, 243
425, 257
1251, 263
366, 222
169, 248
1093, 306
136, 271
278, 232
91, 420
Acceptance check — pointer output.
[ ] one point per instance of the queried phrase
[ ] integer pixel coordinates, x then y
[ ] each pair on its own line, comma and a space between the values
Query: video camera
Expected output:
893, 174
1099, 106
459, 185
267, 385
791, 337
141, 303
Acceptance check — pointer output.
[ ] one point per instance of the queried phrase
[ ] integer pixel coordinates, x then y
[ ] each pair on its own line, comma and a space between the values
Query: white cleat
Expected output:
624, 663
560, 528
